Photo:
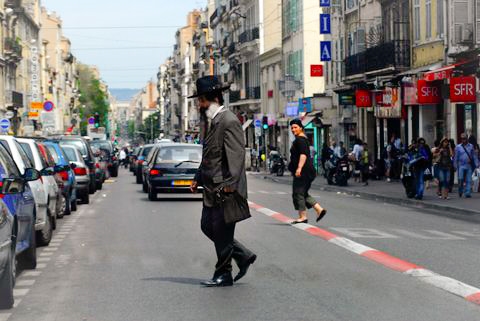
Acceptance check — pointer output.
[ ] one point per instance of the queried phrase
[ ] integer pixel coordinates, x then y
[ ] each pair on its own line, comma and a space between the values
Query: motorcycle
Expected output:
337, 170
277, 165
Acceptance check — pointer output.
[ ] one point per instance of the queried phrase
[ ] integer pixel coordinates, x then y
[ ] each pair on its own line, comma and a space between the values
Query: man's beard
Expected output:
211, 110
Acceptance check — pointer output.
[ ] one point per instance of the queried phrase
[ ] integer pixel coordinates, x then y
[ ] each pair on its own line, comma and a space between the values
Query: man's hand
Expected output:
298, 173
194, 187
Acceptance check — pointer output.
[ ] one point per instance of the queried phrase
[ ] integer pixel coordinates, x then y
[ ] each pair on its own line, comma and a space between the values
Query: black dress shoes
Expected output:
223, 280
244, 268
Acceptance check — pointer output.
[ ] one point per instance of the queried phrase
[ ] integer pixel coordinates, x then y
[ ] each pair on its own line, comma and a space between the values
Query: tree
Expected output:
131, 129
151, 126
93, 98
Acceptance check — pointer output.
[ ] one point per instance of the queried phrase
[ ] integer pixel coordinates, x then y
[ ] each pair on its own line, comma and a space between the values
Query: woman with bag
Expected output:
303, 173
444, 166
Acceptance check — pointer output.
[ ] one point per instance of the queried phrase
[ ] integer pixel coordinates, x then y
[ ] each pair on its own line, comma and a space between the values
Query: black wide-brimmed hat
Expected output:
209, 84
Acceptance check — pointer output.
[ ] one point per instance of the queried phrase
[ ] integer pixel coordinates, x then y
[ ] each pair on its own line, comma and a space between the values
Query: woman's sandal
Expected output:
321, 215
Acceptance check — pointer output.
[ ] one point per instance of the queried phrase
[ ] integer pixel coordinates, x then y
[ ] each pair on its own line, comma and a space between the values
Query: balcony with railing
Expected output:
12, 49
249, 35
253, 92
214, 16
394, 54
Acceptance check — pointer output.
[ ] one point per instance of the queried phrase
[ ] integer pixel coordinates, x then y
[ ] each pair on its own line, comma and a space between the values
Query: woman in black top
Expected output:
303, 173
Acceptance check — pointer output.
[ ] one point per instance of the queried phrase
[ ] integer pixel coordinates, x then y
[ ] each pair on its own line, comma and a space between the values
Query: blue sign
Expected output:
325, 51
91, 120
258, 123
291, 110
305, 105
48, 105
324, 3
4, 124
325, 25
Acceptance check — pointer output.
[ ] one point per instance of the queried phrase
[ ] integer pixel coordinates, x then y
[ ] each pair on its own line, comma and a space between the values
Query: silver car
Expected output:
81, 171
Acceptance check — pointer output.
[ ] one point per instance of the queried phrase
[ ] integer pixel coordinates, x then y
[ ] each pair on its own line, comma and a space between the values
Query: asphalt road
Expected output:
125, 258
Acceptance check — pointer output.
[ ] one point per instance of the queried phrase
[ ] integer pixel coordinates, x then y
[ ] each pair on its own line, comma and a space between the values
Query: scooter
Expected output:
277, 165
337, 171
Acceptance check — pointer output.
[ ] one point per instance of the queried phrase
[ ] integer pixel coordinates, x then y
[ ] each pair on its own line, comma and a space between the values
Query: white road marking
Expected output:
302, 226
364, 232
50, 249
56, 243
4, 316
44, 259
266, 211
31, 273
62, 233
20, 292
23, 283
46, 254
350, 245
41, 266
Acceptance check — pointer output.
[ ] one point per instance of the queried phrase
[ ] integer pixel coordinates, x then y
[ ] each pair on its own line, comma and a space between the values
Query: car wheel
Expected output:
86, 199
28, 259
99, 186
45, 236
68, 201
144, 187
114, 172
139, 177
91, 188
73, 205
152, 195
7, 281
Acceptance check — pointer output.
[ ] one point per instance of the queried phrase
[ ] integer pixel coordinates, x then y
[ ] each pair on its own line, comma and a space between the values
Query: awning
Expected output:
246, 124
440, 74
307, 120
421, 69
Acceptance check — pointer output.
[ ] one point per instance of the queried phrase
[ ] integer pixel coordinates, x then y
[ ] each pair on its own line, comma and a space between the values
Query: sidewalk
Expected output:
393, 193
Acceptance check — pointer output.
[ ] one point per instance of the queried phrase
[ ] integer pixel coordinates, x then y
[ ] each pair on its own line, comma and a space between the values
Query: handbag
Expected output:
427, 174
235, 207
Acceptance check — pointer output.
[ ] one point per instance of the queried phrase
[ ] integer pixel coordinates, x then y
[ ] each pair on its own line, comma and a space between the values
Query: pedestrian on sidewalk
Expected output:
365, 164
222, 175
420, 160
452, 170
465, 163
435, 160
444, 167
356, 156
303, 173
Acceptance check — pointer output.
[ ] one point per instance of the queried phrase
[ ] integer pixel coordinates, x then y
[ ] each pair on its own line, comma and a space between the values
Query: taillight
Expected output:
97, 165
80, 171
139, 162
155, 172
64, 175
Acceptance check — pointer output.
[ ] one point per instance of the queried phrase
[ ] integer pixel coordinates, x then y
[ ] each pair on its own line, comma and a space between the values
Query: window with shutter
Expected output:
361, 34
440, 25
477, 17
428, 18
416, 19
461, 23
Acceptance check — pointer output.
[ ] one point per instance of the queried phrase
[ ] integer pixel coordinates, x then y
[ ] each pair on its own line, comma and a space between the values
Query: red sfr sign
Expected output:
316, 70
463, 90
363, 98
428, 93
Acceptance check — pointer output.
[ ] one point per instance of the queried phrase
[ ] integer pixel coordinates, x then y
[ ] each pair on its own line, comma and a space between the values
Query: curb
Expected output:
386, 199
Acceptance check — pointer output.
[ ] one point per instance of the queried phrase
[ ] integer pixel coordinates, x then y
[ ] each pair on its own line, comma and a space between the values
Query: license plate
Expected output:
182, 183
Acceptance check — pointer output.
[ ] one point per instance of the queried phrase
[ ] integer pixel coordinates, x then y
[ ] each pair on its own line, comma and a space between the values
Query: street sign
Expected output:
48, 105
36, 105
4, 124
33, 114
324, 3
91, 120
9, 114
258, 123
325, 51
325, 25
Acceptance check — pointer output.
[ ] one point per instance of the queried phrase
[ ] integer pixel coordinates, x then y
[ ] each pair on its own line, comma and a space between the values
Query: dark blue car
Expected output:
17, 224
65, 179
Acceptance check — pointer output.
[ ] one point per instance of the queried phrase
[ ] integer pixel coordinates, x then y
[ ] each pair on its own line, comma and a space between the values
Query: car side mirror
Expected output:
13, 186
31, 174
47, 171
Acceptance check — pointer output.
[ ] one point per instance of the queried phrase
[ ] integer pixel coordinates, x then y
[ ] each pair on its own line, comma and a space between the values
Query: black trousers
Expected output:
222, 235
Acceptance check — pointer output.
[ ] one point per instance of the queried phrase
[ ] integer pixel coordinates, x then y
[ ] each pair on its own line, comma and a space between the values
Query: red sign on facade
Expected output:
363, 98
428, 93
440, 74
463, 90
316, 70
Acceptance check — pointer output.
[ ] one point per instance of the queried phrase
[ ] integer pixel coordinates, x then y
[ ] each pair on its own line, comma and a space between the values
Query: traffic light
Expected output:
265, 122
97, 120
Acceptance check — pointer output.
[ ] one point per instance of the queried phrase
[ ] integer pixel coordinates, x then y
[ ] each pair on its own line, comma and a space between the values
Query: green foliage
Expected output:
131, 129
151, 126
93, 98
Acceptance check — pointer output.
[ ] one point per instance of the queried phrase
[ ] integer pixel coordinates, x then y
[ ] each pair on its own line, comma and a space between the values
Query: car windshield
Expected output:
70, 152
77, 143
28, 151
180, 154
102, 144
52, 151
146, 150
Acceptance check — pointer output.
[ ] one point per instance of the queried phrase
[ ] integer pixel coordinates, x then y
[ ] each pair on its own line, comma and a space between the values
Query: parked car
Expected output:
101, 167
132, 158
172, 168
81, 173
17, 224
31, 148
110, 155
64, 170
84, 147
43, 222
142, 155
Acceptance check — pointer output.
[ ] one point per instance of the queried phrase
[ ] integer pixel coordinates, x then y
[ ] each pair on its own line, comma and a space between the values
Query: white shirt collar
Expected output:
218, 111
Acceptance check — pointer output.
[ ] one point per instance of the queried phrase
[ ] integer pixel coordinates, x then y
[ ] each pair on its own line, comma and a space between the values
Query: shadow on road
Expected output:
172, 199
179, 280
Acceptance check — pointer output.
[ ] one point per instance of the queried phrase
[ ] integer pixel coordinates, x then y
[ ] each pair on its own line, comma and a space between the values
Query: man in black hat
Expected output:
222, 172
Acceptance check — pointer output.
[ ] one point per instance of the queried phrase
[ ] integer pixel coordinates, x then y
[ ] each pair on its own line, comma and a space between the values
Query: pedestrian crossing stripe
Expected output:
110, 181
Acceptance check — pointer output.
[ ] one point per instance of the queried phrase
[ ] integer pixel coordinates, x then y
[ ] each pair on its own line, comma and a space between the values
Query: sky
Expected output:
87, 23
